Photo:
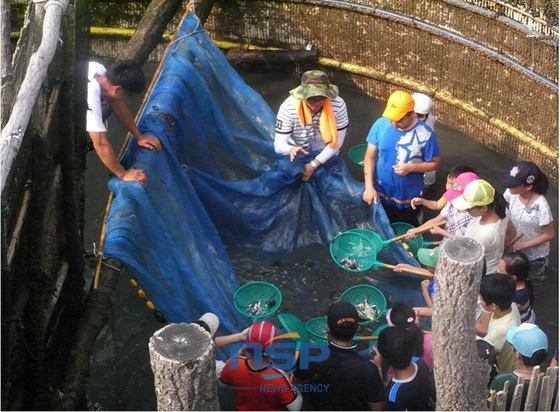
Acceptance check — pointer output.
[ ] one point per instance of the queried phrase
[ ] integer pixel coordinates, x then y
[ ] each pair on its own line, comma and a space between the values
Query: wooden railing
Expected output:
540, 395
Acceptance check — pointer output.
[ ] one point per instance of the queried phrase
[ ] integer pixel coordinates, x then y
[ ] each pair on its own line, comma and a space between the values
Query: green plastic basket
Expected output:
400, 228
353, 251
291, 324
316, 328
357, 154
265, 295
359, 293
373, 237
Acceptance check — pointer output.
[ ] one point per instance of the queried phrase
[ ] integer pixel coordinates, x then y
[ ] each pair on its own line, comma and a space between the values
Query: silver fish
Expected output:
350, 263
367, 311
260, 307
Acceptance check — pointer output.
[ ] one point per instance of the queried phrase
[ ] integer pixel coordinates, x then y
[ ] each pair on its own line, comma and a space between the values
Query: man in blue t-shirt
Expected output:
401, 148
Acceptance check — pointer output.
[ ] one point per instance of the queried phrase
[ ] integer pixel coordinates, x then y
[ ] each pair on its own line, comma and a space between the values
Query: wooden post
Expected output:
184, 366
12, 133
7, 73
149, 31
271, 57
460, 375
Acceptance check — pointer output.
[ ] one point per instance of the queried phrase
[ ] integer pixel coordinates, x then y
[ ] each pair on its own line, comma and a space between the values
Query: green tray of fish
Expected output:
353, 251
369, 301
257, 300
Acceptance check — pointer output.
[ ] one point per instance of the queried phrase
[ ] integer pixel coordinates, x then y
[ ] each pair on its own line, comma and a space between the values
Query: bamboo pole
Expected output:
12, 134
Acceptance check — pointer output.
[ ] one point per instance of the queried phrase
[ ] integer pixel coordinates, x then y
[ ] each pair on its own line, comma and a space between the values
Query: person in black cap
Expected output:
353, 382
530, 214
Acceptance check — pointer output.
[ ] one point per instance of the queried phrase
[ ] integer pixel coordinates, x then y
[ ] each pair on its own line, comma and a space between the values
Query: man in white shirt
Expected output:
114, 86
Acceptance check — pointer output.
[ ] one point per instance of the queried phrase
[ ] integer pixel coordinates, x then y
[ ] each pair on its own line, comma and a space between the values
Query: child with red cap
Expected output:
246, 377
456, 221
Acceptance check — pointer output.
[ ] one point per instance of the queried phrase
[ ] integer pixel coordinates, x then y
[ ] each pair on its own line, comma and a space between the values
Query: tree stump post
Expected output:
184, 367
460, 374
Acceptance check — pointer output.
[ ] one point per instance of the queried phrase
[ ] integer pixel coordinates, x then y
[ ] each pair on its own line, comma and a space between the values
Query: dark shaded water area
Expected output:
121, 377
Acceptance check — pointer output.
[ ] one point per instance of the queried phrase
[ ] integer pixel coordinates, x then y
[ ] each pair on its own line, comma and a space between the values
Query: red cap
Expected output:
261, 332
458, 187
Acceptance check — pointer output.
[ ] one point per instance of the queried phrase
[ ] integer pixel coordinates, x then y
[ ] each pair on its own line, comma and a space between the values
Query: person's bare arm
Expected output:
425, 285
370, 158
412, 233
125, 117
403, 169
548, 234
481, 328
105, 151
220, 341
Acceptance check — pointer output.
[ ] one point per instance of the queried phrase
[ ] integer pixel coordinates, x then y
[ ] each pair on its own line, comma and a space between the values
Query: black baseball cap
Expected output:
522, 173
342, 318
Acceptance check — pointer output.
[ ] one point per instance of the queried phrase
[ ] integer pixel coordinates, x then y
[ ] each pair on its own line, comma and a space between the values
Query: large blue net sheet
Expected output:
218, 183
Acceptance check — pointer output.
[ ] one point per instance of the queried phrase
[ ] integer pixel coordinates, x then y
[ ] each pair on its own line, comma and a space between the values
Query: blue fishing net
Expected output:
218, 183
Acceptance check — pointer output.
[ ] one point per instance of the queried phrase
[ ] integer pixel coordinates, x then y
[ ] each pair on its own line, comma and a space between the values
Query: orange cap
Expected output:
399, 104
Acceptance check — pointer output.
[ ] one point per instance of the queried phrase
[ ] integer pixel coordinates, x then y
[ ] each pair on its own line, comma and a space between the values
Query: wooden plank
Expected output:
517, 396
552, 374
501, 398
543, 393
532, 394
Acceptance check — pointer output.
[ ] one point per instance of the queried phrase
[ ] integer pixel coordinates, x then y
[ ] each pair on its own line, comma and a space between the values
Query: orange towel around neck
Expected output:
327, 121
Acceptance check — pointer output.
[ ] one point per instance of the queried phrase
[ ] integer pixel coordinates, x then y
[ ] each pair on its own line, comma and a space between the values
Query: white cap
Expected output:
422, 103
212, 321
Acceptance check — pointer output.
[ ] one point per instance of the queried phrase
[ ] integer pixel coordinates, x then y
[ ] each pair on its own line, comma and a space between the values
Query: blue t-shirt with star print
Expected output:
416, 145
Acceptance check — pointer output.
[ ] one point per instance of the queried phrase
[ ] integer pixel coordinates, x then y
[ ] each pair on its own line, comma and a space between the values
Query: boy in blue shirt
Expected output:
401, 148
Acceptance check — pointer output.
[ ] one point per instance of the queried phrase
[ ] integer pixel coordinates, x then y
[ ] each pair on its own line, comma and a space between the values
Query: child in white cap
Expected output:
423, 107
530, 344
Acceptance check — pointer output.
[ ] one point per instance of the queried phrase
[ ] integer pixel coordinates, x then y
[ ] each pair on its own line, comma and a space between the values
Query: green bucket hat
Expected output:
314, 83
428, 257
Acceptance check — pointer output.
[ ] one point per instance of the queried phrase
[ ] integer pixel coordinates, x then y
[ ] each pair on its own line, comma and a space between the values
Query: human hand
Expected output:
370, 195
309, 170
411, 234
295, 150
425, 285
134, 174
149, 142
518, 246
400, 267
402, 169
417, 201
437, 230
243, 334
377, 360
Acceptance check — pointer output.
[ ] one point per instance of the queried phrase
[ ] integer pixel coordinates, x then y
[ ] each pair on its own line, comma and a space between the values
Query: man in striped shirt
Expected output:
312, 122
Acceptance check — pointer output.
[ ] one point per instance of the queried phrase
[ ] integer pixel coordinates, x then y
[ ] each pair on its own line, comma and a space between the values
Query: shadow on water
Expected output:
121, 377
